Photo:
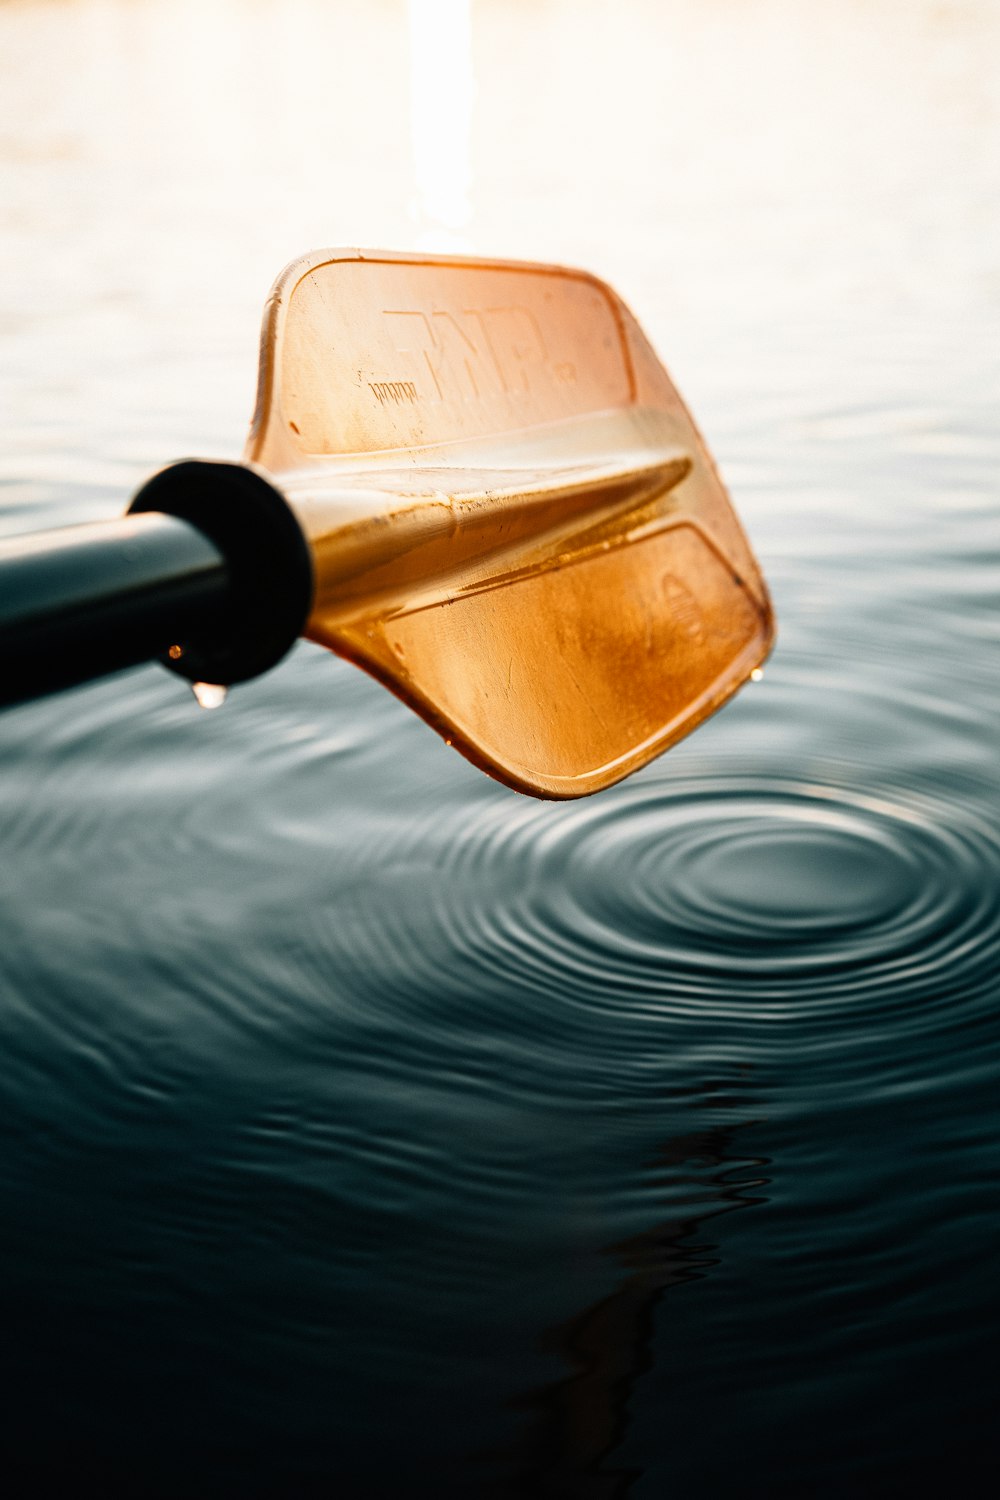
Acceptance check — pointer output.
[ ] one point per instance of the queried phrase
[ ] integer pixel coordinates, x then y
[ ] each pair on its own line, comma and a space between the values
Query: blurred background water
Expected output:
369, 1130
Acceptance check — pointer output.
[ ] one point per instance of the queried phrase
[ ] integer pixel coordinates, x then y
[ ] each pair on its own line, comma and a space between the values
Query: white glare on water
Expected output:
441, 106
796, 179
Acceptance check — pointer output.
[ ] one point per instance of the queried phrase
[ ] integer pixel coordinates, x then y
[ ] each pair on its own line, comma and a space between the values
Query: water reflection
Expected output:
442, 94
576, 1425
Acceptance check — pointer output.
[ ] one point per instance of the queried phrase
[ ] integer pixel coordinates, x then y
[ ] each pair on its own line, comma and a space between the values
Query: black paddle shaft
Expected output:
209, 572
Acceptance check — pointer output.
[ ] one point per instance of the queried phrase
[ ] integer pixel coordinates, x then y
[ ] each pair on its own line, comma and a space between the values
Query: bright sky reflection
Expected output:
755, 180
442, 93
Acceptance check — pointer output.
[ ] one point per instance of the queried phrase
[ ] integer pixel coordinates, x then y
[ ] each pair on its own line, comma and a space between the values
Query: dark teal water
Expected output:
368, 1130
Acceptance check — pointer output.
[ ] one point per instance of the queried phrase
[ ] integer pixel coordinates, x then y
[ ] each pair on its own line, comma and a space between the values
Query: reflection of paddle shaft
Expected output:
472, 478
577, 1423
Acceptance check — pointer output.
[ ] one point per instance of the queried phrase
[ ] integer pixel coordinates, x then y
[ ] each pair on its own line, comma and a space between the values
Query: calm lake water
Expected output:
367, 1129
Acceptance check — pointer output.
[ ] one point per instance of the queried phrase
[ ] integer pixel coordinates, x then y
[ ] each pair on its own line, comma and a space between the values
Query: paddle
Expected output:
472, 478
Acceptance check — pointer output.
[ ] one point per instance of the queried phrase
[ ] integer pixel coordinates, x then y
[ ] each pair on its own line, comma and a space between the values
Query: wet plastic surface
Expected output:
515, 524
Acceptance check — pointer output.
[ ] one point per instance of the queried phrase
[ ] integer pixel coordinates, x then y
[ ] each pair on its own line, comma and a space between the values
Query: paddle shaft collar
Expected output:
208, 572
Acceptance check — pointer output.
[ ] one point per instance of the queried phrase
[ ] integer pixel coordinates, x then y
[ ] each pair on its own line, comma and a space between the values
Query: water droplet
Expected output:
209, 694
757, 674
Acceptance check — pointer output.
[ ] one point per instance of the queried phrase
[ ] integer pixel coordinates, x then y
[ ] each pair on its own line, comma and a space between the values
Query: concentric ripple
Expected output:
730, 892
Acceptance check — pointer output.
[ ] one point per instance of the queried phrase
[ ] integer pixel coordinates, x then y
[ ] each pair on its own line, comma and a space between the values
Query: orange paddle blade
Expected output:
515, 524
